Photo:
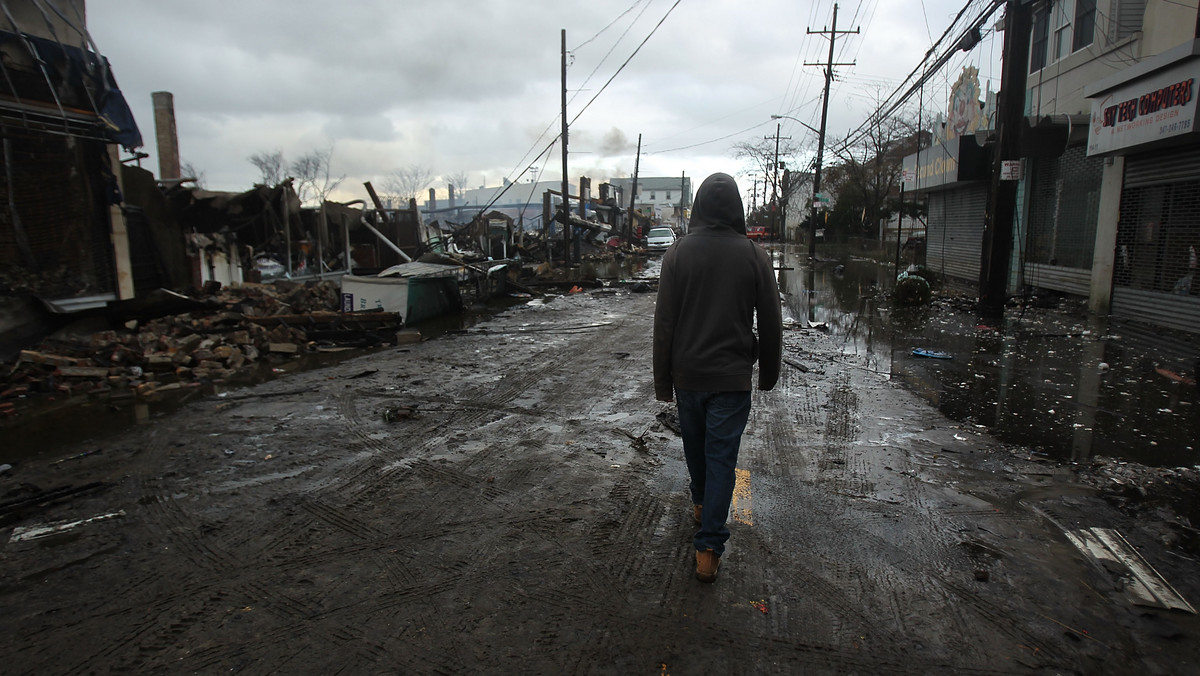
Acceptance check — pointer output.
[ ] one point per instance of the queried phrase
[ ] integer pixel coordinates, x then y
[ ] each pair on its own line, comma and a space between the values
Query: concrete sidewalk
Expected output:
507, 499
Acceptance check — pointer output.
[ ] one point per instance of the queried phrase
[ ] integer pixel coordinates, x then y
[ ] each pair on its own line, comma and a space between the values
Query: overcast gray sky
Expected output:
474, 85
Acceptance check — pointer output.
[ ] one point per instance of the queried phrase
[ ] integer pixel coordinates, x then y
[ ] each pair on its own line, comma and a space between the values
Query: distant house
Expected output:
666, 200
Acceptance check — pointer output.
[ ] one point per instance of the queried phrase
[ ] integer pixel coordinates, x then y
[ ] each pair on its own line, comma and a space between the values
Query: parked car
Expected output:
658, 239
756, 232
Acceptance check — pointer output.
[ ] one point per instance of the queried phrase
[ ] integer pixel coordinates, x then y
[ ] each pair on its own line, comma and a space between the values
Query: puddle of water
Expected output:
1059, 382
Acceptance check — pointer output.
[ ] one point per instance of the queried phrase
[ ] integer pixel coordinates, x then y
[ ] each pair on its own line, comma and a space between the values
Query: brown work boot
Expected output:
696, 512
707, 563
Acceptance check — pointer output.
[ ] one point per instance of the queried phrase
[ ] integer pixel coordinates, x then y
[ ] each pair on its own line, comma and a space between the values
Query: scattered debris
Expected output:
1144, 585
670, 419
795, 364
394, 413
25, 533
77, 456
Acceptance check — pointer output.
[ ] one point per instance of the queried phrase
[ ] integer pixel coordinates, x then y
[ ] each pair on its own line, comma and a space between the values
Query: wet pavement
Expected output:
507, 498
1051, 378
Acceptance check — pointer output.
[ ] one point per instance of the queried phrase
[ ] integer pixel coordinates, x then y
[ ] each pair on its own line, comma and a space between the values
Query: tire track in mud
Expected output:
839, 585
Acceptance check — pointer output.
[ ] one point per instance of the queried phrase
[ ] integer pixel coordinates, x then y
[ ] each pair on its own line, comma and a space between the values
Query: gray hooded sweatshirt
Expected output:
714, 282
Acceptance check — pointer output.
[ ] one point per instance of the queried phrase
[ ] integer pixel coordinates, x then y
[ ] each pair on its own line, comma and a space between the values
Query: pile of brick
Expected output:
248, 328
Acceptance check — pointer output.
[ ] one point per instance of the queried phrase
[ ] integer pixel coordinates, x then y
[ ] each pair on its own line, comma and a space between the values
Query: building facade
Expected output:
661, 199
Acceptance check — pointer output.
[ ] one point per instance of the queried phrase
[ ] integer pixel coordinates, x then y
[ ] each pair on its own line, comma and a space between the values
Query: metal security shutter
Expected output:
1158, 240
1061, 233
955, 236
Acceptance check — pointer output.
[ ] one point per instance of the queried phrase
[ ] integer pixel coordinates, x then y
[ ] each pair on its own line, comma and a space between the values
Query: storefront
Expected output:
1057, 231
1147, 116
953, 175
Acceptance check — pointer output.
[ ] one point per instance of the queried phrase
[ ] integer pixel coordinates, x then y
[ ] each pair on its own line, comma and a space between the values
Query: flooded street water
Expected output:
1065, 385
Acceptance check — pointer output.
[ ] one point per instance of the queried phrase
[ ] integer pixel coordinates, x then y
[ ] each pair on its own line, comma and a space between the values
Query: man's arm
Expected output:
769, 315
666, 311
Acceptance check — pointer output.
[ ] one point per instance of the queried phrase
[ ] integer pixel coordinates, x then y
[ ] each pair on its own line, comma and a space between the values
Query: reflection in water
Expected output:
1063, 385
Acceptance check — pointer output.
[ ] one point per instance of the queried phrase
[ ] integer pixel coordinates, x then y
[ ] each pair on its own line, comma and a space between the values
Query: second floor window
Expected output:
1085, 24
1061, 28
1037, 46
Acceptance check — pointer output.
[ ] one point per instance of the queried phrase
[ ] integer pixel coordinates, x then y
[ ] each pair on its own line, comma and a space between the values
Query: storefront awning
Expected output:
945, 164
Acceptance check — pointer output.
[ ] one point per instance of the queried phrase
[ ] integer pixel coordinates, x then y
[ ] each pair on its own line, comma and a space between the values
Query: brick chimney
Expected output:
165, 135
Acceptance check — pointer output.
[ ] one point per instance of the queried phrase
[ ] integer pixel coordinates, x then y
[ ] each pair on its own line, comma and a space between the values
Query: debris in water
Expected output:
931, 354
761, 606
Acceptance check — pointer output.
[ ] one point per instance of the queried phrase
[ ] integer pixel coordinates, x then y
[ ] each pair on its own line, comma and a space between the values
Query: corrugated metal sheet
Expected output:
1161, 309
1170, 166
955, 240
1076, 281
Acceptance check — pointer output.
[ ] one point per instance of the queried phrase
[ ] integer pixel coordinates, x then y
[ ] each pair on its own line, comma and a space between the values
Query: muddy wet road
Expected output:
507, 499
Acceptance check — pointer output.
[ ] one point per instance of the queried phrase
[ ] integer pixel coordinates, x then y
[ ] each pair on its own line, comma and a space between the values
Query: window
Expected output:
1037, 49
651, 197
1061, 28
1085, 24
668, 196
1062, 15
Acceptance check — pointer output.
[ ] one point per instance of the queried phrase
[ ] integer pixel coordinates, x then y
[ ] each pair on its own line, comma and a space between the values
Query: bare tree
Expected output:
408, 182
189, 170
770, 161
458, 179
868, 175
314, 182
270, 165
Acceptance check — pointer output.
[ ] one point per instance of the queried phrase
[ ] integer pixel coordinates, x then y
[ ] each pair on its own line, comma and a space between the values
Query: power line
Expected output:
622, 67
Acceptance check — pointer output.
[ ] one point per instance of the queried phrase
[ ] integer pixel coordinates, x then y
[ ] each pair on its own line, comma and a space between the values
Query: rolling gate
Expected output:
1158, 241
955, 235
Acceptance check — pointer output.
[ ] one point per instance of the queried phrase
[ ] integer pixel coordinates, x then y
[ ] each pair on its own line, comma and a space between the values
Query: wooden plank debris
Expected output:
1144, 585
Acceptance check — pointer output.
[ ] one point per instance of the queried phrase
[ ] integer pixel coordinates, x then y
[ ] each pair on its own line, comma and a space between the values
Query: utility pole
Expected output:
829, 64
682, 187
633, 190
1002, 198
566, 188
775, 182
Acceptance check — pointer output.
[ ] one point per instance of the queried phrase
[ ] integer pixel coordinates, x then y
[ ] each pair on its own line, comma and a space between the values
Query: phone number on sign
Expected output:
1174, 127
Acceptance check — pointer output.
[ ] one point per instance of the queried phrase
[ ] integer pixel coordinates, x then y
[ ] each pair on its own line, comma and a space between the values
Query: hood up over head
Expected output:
718, 205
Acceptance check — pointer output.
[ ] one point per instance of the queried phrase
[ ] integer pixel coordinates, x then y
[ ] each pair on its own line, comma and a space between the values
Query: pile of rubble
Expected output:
225, 337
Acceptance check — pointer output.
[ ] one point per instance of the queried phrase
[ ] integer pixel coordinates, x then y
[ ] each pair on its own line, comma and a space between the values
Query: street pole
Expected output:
682, 187
566, 188
633, 190
829, 64
1002, 199
775, 183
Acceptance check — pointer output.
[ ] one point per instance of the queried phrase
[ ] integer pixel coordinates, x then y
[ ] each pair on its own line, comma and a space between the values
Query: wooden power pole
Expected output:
829, 64
633, 188
1002, 198
566, 188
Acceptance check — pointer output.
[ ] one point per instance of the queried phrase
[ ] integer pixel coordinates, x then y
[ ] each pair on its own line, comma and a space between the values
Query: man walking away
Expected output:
714, 282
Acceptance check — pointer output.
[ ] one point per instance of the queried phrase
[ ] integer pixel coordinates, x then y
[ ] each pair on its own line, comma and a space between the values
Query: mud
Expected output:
505, 498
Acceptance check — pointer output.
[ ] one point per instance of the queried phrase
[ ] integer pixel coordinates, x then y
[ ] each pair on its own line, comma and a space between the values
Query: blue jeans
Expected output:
712, 424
